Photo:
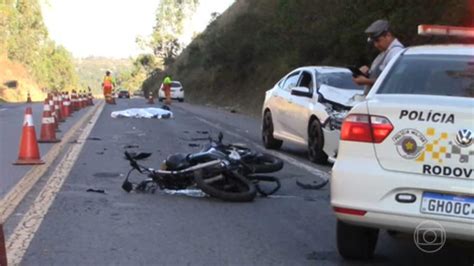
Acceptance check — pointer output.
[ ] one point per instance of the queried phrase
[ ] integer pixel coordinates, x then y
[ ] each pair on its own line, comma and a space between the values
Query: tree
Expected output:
170, 18
24, 36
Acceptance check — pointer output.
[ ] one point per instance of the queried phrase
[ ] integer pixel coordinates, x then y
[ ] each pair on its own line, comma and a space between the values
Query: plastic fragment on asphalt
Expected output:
94, 138
96, 190
314, 185
195, 193
143, 113
131, 146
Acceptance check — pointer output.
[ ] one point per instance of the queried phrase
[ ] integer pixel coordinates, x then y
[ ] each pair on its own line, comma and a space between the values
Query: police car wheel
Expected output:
316, 143
356, 242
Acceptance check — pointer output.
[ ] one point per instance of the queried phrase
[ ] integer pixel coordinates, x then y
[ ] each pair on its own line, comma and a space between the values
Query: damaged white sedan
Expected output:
307, 107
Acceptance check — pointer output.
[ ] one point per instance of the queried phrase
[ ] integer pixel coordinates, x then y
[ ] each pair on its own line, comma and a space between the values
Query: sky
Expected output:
109, 28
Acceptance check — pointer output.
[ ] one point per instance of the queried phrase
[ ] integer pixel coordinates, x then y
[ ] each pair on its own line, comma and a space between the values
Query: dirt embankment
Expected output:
16, 82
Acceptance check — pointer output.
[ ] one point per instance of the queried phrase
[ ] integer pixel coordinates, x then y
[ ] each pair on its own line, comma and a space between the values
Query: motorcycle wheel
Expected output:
264, 163
227, 186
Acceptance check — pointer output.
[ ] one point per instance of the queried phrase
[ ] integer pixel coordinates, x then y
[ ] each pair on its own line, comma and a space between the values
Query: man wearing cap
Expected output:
382, 38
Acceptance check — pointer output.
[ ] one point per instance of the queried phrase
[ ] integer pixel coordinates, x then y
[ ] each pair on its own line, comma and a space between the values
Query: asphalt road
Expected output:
11, 123
295, 227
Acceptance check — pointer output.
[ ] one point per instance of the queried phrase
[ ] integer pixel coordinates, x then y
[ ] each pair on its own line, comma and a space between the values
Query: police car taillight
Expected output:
365, 128
445, 30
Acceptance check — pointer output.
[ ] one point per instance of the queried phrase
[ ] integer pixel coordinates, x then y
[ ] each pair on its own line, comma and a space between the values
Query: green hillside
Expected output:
28, 55
250, 46
91, 70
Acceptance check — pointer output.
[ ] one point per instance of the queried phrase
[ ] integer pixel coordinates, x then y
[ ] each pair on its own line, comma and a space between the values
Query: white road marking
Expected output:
3, 109
20, 240
323, 175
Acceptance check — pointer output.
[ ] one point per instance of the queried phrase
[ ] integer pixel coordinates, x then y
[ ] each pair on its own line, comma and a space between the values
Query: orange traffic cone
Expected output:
48, 132
83, 100
69, 98
61, 105
57, 107
73, 101
91, 98
3, 250
28, 98
54, 113
112, 98
29, 151
150, 99
67, 105
79, 100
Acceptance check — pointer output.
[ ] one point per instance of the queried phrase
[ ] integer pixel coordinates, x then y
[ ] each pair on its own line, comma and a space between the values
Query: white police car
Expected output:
406, 154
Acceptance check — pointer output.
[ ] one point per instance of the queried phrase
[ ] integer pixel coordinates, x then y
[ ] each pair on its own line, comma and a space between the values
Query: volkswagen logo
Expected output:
464, 138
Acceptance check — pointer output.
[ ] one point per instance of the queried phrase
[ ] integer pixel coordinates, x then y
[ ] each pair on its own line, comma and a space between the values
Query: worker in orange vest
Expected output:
108, 85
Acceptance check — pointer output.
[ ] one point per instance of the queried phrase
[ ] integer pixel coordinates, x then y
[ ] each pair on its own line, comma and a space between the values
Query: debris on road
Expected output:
140, 156
313, 185
193, 145
131, 146
202, 132
94, 138
195, 139
96, 190
158, 113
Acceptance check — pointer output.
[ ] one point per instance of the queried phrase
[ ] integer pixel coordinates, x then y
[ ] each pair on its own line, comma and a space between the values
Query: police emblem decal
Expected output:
410, 143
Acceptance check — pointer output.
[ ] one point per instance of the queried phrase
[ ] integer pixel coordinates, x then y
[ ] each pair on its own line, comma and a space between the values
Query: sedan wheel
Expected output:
316, 143
267, 133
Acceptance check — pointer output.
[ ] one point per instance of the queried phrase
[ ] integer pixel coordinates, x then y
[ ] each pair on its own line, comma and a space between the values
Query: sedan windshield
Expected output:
443, 75
342, 80
175, 84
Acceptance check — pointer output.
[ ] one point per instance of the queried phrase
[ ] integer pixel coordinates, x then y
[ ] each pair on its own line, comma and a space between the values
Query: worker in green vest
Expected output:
167, 89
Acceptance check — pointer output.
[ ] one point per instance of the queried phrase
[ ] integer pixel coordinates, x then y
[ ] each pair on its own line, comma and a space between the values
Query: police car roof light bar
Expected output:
445, 30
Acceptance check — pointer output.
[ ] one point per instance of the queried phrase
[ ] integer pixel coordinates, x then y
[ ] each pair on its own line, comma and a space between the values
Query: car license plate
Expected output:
449, 205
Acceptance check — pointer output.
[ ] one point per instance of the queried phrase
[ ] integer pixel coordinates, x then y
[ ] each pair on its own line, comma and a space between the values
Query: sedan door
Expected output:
301, 101
282, 119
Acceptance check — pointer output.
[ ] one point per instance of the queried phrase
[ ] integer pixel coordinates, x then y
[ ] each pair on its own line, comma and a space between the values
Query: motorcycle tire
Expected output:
227, 186
264, 163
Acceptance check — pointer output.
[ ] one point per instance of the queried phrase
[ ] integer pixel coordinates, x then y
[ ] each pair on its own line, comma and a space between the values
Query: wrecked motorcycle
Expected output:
223, 171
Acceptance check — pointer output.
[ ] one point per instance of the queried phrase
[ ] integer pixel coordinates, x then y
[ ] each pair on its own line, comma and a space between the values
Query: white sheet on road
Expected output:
143, 113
